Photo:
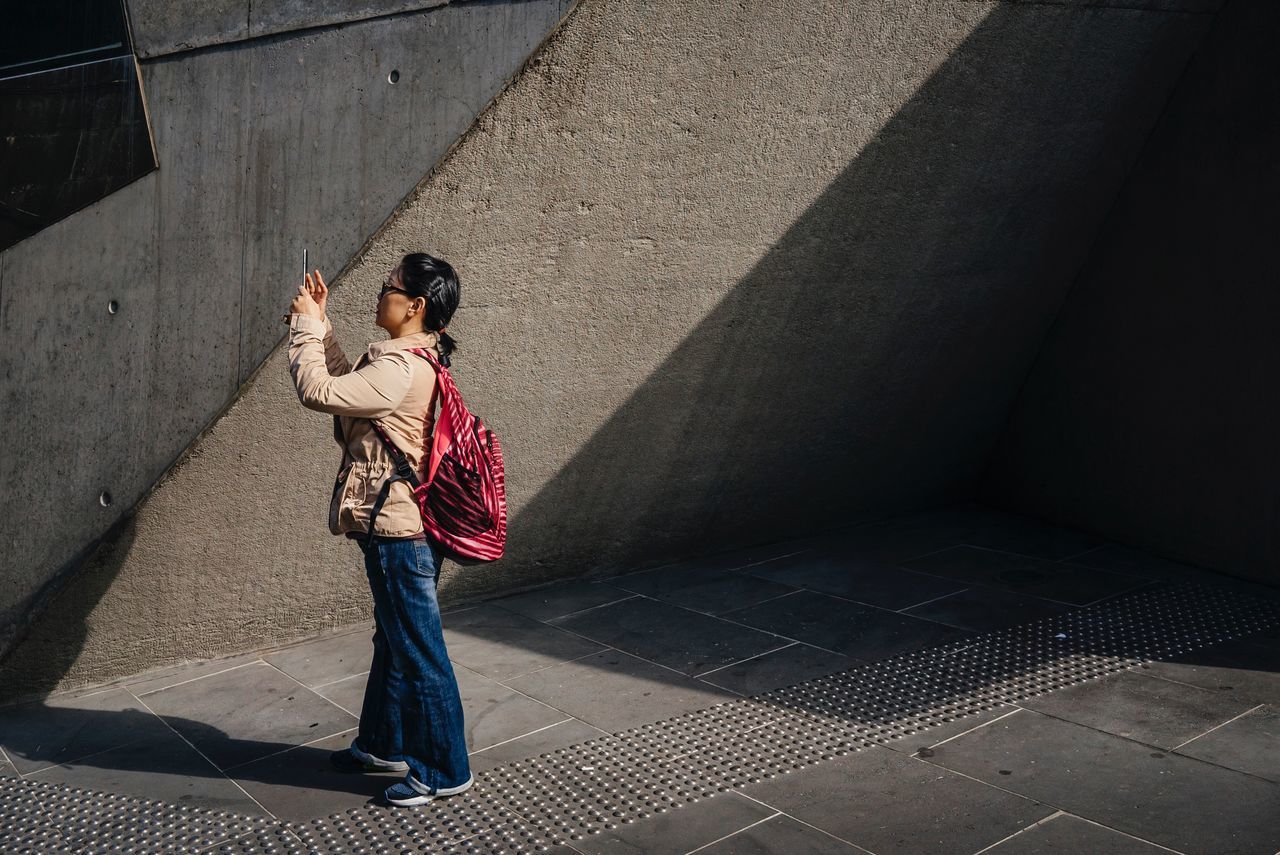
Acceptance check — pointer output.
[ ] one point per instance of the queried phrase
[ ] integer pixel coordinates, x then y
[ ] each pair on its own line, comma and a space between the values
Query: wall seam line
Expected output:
1102, 6
308, 28
236, 42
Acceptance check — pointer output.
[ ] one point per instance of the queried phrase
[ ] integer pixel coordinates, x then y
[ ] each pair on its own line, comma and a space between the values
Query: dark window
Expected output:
39, 34
72, 121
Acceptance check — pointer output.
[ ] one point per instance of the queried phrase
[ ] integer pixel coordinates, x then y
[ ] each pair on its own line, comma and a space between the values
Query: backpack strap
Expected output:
404, 472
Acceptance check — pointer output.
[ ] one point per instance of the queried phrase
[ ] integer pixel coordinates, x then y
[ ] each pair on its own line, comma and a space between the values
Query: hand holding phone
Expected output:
319, 291
313, 288
312, 298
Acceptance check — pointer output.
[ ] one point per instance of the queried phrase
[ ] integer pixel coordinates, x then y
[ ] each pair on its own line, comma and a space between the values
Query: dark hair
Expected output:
433, 279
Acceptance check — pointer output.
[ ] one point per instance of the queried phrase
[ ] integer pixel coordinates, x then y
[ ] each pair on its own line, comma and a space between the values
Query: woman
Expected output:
411, 719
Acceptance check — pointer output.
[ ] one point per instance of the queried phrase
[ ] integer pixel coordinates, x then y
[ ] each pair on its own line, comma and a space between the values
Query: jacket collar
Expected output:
423, 339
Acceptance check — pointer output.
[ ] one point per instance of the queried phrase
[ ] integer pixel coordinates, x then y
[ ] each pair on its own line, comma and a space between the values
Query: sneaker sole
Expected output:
421, 799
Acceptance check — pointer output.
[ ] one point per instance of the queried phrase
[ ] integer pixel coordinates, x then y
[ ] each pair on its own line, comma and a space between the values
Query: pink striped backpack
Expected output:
463, 499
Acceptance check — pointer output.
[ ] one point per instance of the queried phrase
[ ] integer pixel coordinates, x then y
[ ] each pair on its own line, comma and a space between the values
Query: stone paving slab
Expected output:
888, 803
164, 678
614, 691
494, 713
1239, 668
162, 766
535, 691
500, 644
242, 715
348, 694
1075, 585
784, 666
985, 609
300, 784
922, 744
562, 599
678, 638
872, 583
554, 737
1144, 709
1250, 743
328, 659
38, 735
843, 626
710, 591
1174, 801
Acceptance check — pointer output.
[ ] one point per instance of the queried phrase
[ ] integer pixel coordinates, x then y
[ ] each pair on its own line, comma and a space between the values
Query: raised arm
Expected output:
372, 392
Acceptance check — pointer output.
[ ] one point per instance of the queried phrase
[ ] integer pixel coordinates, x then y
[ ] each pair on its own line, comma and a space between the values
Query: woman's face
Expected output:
393, 303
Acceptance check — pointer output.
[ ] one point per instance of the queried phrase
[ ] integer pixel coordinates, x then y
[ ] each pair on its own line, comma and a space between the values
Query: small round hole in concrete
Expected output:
394, 76
105, 499
113, 307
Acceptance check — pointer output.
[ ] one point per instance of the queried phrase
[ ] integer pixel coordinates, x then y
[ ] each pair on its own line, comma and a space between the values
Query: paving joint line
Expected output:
777, 813
339, 680
531, 697
1216, 726
701, 674
307, 744
904, 611
797, 819
523, 735
1151, 745
128, 689
1021, 831
976, 727
746, 659
1125, 833
312, 691
548, 621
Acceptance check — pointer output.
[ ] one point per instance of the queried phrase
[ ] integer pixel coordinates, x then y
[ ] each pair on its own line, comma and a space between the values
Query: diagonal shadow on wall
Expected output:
869, 360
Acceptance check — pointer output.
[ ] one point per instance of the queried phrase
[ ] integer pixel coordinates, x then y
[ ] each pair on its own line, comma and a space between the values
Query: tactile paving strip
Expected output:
40, 817
627, 777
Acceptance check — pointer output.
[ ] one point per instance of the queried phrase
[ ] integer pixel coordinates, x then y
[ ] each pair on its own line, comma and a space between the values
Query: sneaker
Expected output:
404, 795
354, 760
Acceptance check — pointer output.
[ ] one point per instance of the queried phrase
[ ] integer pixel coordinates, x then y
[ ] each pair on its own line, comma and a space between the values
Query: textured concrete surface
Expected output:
263, 148
1152, 412
163, 26
75, 430
711, 297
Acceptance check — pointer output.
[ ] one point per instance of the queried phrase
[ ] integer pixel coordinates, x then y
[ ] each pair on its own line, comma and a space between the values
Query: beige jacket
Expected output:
387, 384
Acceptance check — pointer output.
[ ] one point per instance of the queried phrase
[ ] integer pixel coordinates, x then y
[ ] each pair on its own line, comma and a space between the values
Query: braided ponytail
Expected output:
434, 280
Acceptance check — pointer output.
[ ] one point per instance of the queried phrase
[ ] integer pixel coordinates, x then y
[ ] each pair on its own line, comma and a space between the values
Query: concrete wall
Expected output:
1152, 413
163, 26
712, 295
264, 147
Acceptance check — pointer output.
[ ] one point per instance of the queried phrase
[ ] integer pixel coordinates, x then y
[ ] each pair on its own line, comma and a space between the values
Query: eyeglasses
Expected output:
387, 286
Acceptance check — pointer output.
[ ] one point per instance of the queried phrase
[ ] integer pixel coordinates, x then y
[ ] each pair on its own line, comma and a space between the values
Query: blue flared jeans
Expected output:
412, 710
